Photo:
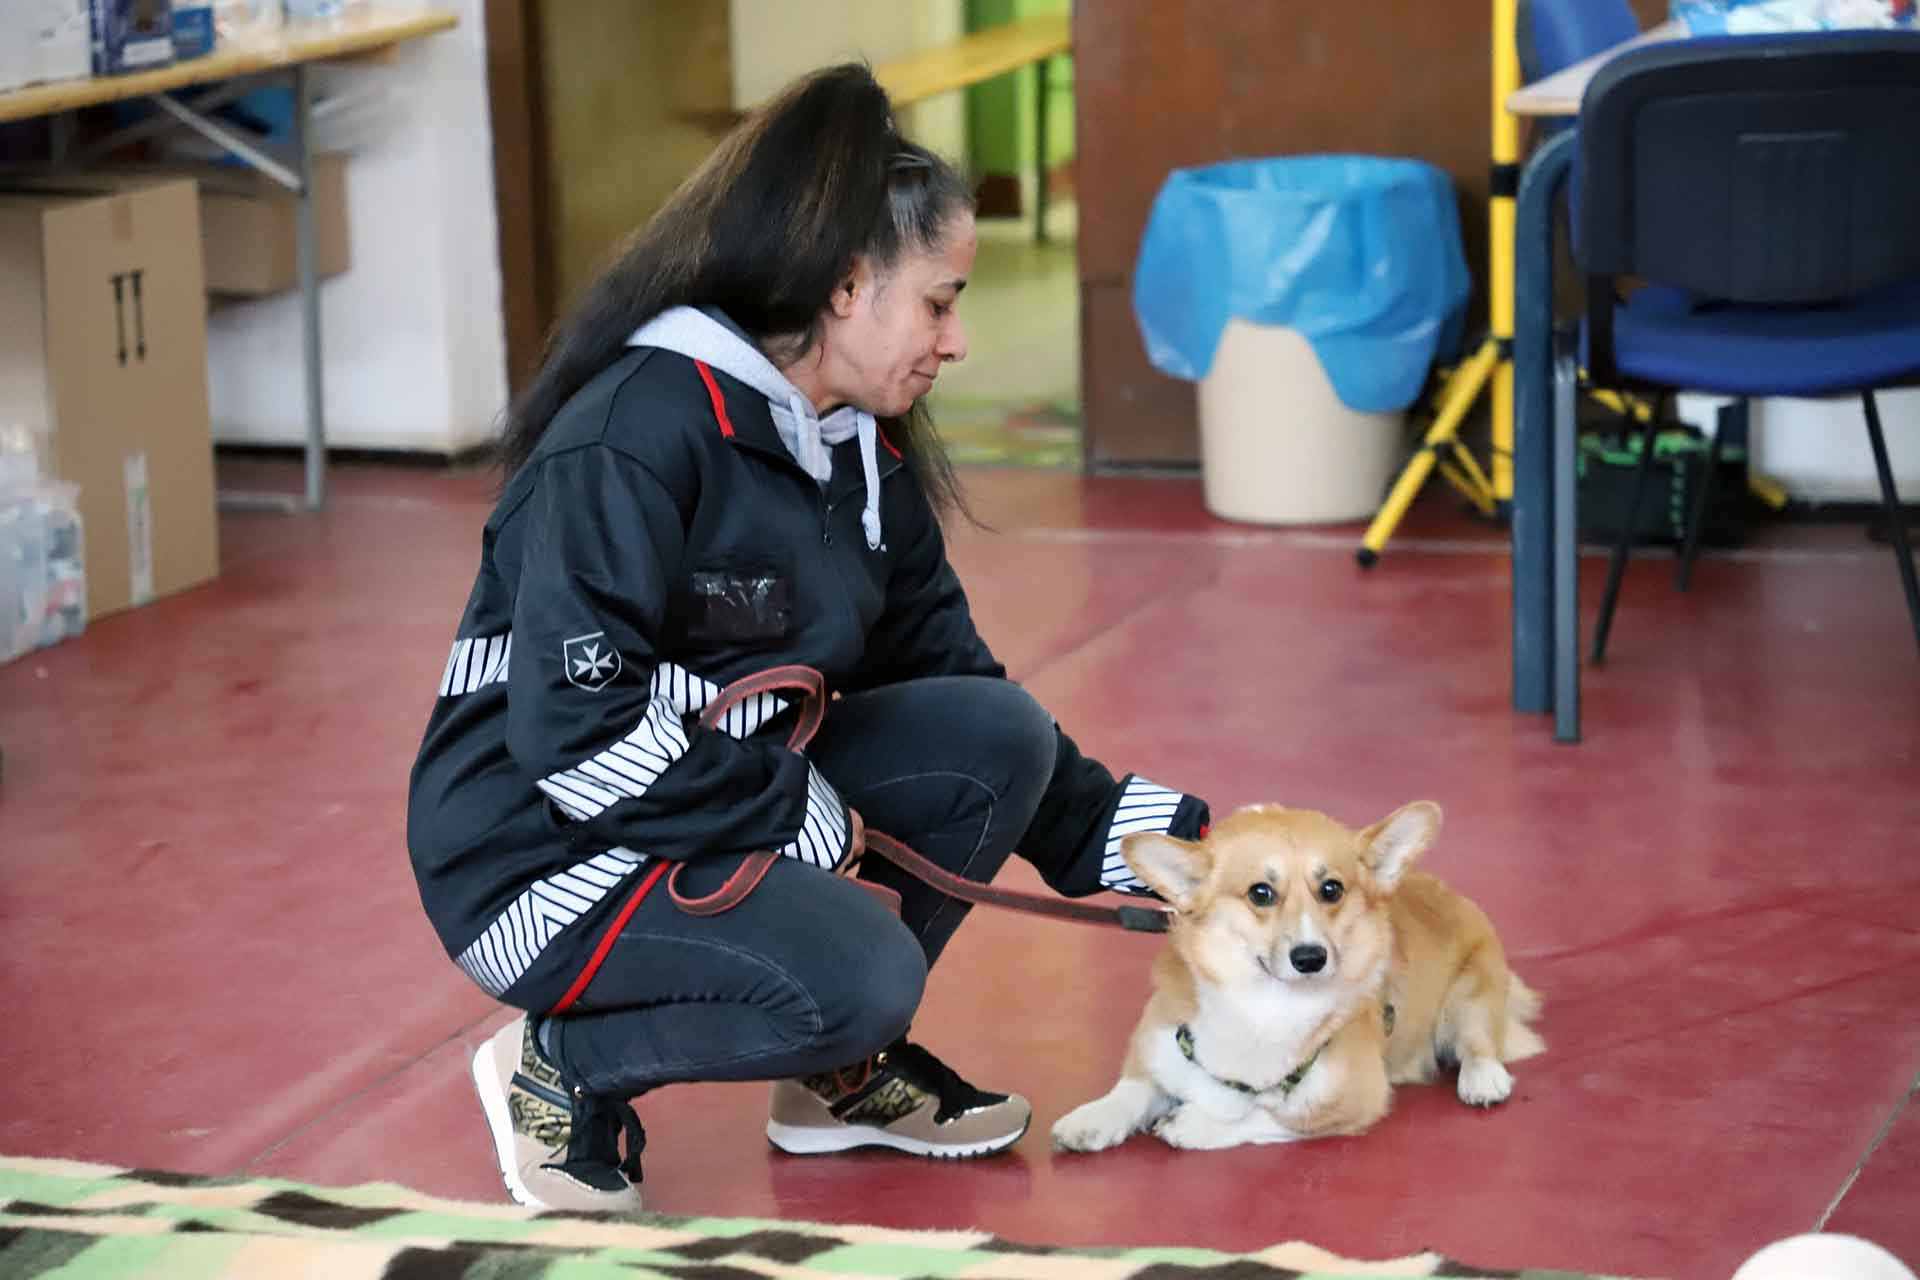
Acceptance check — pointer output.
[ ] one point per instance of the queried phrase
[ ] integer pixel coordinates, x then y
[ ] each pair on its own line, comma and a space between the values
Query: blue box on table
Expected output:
131, 35
192, 29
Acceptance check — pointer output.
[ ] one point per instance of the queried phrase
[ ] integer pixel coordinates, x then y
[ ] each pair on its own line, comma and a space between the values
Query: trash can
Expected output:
1308, 297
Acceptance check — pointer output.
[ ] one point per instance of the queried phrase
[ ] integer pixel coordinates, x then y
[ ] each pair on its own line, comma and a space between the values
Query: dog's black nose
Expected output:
1308, 957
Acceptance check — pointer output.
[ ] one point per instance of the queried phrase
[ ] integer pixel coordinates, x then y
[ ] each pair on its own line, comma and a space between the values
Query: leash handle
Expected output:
744, 880
810, 684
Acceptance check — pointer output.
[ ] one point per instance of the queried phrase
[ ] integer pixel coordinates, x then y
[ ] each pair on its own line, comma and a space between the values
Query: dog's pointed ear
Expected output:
1396, 842
1171, 867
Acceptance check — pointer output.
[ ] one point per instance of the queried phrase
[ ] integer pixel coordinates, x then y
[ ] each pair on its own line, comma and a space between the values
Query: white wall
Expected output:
775, 40
414, 345
413, 340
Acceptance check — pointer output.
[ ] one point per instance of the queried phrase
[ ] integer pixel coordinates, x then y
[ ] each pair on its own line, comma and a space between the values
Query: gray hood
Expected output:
709, 337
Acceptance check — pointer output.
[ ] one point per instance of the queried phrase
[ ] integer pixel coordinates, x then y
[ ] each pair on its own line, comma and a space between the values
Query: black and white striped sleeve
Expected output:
1085, 814
1143, 806
625, 770
827, 831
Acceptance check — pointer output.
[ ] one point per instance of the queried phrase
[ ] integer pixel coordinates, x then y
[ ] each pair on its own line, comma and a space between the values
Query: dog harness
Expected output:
1183, 1036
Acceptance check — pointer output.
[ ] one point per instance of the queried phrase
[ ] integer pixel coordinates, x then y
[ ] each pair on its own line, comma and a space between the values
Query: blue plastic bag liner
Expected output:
1750, 17
1360, 254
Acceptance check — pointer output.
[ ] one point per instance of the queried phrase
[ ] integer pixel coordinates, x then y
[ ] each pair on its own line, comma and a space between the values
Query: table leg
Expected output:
1532, 510
1566, 549
309, 290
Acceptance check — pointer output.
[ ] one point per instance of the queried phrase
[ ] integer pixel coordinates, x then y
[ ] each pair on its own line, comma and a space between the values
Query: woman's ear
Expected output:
843, 295
858, 280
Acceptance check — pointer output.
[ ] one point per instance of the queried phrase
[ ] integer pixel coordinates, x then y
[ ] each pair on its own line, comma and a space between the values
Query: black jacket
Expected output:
660, 543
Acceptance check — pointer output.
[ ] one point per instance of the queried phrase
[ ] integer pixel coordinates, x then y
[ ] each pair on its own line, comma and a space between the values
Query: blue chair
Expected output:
1764, 190
1555, 34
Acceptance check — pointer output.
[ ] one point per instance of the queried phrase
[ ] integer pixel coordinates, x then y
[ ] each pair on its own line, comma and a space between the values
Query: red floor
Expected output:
214, 958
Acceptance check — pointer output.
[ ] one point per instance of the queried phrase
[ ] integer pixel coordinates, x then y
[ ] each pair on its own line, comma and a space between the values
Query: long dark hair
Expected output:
764, 230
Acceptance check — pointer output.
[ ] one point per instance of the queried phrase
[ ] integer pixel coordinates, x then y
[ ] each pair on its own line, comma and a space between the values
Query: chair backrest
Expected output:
1555, 34
1755, 169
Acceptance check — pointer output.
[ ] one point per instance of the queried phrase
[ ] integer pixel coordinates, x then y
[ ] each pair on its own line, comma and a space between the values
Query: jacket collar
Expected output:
752, 426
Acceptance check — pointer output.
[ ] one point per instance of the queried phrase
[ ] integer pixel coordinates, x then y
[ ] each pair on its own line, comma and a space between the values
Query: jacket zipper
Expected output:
834, 567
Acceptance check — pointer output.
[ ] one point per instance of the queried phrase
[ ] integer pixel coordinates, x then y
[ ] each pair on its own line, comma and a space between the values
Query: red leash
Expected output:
812, 687
1137, 919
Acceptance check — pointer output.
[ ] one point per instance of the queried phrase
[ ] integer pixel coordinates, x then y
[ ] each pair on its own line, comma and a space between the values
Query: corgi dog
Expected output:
1308, 969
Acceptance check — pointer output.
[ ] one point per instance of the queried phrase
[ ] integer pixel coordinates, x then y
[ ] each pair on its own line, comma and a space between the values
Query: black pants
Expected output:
811, 971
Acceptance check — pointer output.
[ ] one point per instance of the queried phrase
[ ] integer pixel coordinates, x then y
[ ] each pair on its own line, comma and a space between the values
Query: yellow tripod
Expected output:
1493, 362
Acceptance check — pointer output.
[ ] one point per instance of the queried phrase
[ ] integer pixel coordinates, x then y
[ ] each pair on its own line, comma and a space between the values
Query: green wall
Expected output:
1000, 113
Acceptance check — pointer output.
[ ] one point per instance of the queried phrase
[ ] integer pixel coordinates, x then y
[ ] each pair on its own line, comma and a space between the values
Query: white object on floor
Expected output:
1817, 449
1823, 1257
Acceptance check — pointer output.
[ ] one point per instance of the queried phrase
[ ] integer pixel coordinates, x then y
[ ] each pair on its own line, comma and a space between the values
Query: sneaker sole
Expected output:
797, 1140
500, 1125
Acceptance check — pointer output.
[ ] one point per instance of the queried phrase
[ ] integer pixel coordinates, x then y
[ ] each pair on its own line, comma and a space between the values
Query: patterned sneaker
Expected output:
558, 1149
904, 1098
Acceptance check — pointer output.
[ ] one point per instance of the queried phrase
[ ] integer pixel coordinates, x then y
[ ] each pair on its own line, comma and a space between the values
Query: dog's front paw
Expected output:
1484, 1082
1194, 1130
1094, 1126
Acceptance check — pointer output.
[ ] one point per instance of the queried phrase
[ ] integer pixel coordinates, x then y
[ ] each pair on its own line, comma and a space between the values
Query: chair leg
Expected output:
1618, 569
1565, 572
1683, 573
1896, 525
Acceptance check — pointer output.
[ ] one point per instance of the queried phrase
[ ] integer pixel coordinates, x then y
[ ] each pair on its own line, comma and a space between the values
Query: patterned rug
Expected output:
64, 1218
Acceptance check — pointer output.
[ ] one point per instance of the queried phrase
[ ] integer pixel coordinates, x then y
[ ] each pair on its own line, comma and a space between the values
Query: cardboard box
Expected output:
249, 224
249, 227
104, 308
131, 35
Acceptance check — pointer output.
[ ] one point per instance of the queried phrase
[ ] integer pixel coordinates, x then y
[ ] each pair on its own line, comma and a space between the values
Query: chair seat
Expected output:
1662, 336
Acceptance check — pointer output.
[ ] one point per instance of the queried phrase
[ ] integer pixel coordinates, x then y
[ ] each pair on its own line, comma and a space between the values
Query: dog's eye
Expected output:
1260, 895
1332, 891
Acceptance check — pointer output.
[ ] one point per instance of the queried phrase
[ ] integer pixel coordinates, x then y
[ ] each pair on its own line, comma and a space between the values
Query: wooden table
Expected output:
365, 34
981, 56
1560, 93
224, 75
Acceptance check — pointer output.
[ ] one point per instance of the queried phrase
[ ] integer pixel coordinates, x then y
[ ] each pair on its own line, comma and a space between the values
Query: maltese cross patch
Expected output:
591, 661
